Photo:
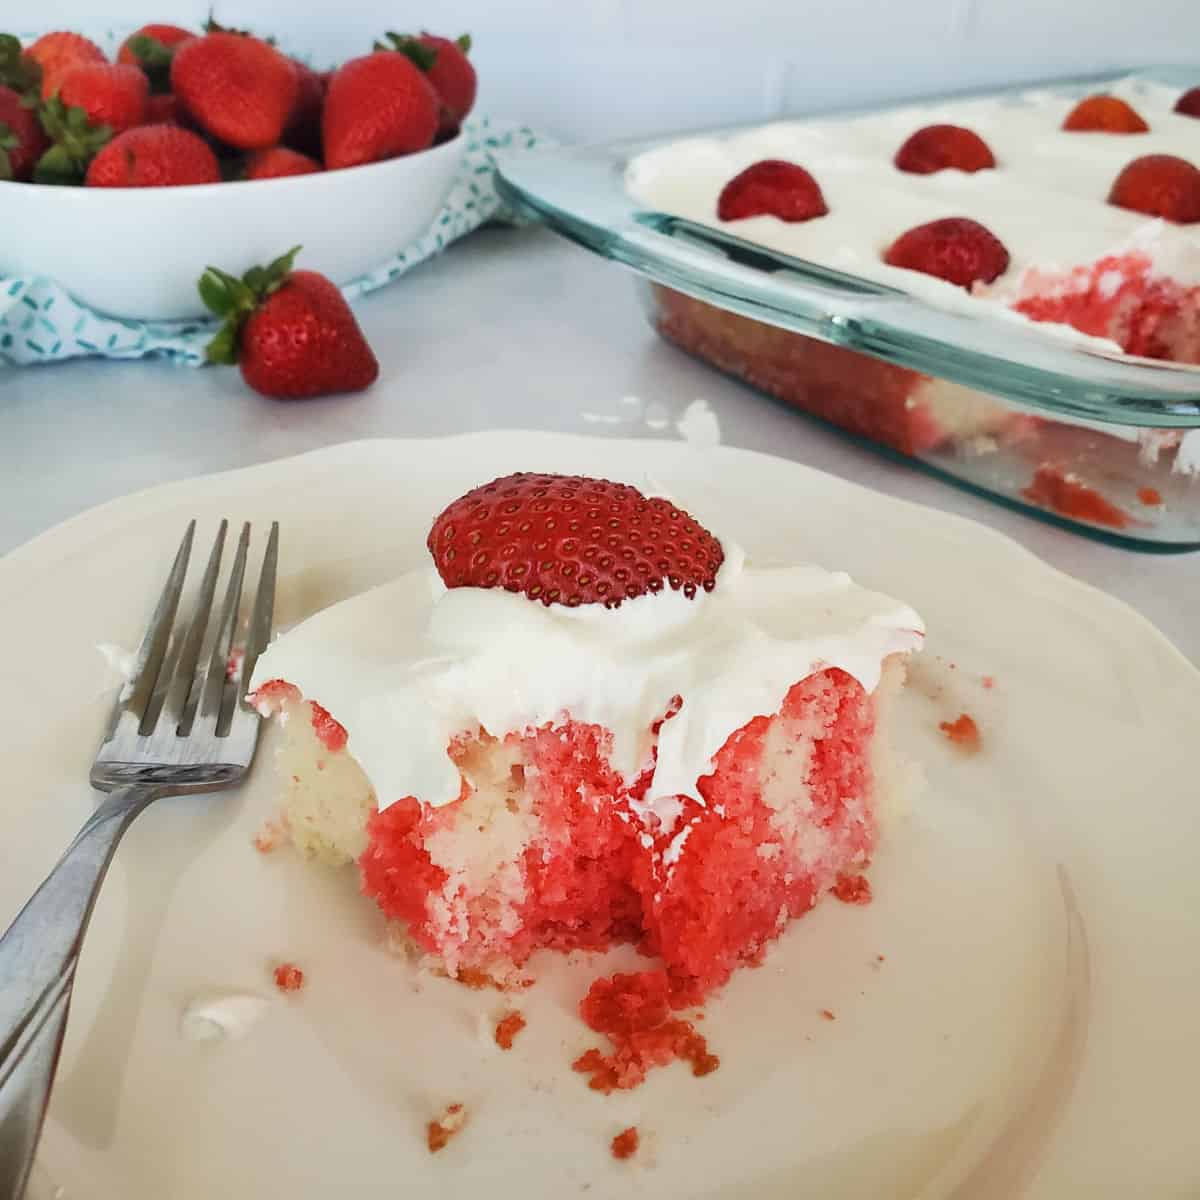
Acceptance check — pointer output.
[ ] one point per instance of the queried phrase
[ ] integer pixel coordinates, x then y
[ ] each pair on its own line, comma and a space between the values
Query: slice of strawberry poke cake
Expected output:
591, 721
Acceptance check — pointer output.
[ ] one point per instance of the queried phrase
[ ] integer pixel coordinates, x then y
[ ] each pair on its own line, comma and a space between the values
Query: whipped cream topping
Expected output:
408, 666
1045, 199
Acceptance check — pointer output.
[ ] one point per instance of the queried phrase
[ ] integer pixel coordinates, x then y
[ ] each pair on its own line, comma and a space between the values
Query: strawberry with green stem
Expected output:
18, 71
76, 141
291, 332
448, 69
152, 48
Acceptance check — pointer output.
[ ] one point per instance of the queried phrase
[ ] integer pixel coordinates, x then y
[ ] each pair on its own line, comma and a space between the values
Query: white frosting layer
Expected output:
219, 1015
1045, 200
407, 666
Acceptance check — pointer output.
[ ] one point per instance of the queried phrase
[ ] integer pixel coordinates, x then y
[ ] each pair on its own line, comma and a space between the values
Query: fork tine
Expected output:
184, 678
214, 681
148, 660
259, 633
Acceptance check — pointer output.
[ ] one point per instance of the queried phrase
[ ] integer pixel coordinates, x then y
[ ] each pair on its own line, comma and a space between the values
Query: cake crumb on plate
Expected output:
507, 1029
289, 977
625, 1144
441, 1129
963, 733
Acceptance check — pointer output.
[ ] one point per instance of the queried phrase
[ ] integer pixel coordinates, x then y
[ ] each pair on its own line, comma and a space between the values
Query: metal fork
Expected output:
180, 724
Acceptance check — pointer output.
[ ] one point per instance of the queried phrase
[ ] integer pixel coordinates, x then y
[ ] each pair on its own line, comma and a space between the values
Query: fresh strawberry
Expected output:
378, 106
1189, 103
152, 48
162, 109
303, 129
110, 95
1159, 185
236, 88
56, 53
22, 140
154, 156
771, 188
1104, 114
941, 147
568, 539
955, 249
292, 332
447, 67
277, 162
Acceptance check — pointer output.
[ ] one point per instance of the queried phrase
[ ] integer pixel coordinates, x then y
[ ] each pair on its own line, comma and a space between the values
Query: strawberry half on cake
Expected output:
591, 721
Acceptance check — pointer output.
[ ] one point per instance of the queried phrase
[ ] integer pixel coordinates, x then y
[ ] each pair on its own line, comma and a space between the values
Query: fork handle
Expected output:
38, 954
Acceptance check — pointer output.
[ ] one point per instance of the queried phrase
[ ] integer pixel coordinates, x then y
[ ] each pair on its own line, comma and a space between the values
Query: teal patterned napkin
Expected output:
41, 323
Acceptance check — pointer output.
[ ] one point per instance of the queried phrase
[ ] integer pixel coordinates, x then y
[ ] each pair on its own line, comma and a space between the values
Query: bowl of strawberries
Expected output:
127, 176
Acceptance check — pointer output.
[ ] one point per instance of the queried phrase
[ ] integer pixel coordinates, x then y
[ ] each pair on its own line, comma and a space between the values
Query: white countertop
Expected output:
511, 329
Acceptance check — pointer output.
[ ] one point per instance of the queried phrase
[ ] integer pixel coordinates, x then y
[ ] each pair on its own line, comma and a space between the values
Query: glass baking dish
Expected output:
1101, 442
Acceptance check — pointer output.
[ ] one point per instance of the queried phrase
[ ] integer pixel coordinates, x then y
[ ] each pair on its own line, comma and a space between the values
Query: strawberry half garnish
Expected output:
942, 147
1159, 185
771, 188
571, 540
1189, 103
1104, 114
956, 249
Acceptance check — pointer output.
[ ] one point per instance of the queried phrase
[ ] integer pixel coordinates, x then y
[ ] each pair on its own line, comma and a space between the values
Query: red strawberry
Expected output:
22, 140
955, 249
235, 87
1189, 103
447, 67
1159, 185
292, 332
278, 162
56, 53
162, 110
771, 188
1104, 114
939, 147
303, 129
152, 48
154, 156
112, 96
377, 107
567, 539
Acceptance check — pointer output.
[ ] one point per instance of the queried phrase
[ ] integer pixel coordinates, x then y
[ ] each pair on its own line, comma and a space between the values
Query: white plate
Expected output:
1032, 1026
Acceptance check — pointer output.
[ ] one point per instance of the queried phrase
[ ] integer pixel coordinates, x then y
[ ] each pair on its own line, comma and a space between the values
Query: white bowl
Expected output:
137, 252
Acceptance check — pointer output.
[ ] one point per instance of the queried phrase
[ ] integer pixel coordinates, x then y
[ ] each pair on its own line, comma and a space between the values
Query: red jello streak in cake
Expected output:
1066, 494
330, 733
589, 882
1119, 298
634, 1011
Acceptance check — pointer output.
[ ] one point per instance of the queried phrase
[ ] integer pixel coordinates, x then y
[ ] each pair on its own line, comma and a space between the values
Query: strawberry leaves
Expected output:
76, 142
421, 56
155, 60
18, 71
233, 300
8, 141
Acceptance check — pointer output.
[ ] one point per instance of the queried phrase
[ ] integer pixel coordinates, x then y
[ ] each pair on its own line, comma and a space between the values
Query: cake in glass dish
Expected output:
592, 721
1077, 215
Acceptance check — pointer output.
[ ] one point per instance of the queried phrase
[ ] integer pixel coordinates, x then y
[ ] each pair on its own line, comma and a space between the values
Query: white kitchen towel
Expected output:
41, 323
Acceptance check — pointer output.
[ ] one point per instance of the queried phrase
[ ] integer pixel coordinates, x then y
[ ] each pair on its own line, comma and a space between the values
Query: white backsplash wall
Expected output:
597, 69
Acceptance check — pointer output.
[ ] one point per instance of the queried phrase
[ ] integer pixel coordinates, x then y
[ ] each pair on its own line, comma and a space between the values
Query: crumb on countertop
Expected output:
442, 1128
625, 1144
289, 977
507, 1028
828, 1014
